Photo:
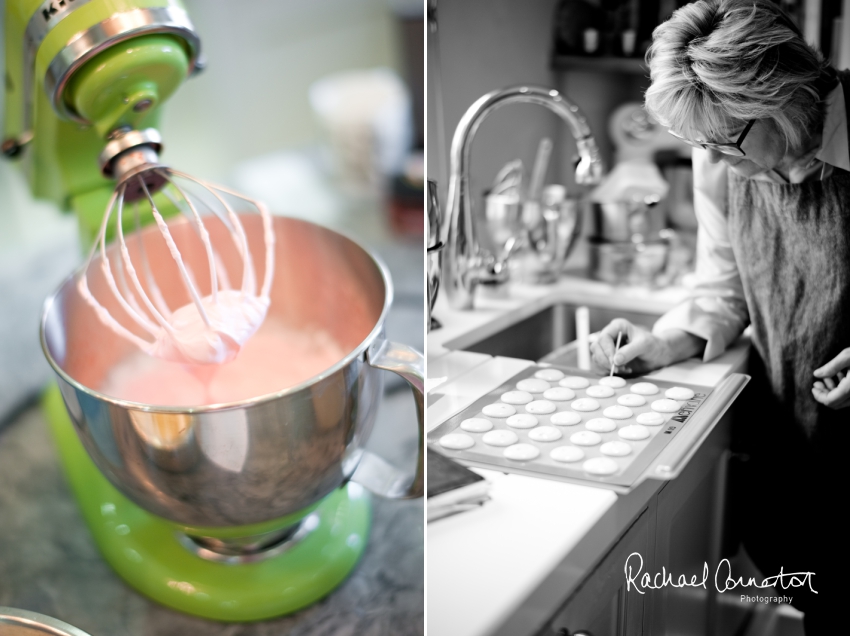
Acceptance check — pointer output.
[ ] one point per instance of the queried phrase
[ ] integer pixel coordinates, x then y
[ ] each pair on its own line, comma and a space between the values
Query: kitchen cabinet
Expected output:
603, 605
689, 529
677, 526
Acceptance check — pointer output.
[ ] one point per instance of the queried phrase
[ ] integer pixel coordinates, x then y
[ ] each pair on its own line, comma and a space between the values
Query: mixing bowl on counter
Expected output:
253, 494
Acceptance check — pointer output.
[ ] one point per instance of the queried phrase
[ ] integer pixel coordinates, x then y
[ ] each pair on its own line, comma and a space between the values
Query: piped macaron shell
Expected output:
614, 381
566, 454
585, 405
545, 434
541, 407
521, 420
634, 432
498, 410
600, 391
516, 397
615, 449
521, 452
618, 412
575, 382
559, 394
533, 385
644, 388
600, 466
650, 418
550, 375
565, 418
680, 393
456, 441
665, 405
601, 425
500, 437
631, 399
476, 425
585, 438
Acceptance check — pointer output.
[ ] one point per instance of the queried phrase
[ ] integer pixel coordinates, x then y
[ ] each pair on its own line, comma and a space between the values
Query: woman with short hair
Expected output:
768, 118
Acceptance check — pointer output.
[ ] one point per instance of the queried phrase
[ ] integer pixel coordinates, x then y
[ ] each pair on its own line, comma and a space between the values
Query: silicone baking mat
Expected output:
624, 470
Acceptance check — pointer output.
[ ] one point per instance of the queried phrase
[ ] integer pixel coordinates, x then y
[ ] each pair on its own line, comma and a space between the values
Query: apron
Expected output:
792, 246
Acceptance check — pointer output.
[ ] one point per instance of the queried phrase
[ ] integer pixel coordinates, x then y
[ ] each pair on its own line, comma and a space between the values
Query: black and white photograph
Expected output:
639, 297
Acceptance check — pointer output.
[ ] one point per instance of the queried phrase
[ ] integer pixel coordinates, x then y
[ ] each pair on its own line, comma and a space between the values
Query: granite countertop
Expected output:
50, 564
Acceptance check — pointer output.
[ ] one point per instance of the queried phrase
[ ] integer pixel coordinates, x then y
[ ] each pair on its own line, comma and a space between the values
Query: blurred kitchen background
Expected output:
314, 107
637, 227
317, 108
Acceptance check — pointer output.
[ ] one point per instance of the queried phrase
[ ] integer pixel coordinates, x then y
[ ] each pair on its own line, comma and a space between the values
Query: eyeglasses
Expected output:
733, 149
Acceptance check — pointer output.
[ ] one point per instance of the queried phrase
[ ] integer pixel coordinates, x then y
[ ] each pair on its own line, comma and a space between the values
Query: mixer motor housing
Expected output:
77, 73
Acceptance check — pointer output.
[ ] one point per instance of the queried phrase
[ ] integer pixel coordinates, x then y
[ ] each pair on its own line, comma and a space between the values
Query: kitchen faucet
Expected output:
465, 262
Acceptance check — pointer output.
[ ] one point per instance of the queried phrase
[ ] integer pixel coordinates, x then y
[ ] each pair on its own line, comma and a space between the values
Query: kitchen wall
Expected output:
480, 46
598, 94
263, 55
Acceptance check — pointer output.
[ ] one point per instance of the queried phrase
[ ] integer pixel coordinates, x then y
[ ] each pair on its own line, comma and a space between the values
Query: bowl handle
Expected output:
374, 472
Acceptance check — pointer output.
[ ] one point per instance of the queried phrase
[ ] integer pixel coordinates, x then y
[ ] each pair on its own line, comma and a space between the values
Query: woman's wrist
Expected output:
678, 345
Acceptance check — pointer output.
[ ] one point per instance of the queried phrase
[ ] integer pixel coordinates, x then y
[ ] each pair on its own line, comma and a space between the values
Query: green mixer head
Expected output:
77, 72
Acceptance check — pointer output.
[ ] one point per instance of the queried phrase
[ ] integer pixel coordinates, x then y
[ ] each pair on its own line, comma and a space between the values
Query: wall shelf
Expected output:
628, 65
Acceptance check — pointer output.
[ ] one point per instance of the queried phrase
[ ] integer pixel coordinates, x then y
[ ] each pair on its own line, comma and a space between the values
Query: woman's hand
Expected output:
641, 351
833, 388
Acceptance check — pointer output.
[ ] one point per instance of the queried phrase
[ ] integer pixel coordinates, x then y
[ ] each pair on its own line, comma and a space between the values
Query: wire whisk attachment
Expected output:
195, 315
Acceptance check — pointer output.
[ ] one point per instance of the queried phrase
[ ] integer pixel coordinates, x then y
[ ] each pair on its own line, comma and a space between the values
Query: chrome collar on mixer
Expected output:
250, 549
130, 153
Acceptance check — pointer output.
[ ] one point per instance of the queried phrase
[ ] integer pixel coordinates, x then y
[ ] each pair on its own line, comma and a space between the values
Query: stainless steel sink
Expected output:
545, 336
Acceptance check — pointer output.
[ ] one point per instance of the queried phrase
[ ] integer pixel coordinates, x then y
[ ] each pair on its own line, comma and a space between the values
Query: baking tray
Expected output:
662, 455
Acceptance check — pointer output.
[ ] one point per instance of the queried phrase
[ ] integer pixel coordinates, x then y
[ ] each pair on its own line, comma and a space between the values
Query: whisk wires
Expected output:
145, 304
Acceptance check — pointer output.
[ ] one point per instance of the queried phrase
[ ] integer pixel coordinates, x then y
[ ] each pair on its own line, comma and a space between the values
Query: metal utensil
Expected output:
18, 622
434, 246
538, 172
616, 349
509, 179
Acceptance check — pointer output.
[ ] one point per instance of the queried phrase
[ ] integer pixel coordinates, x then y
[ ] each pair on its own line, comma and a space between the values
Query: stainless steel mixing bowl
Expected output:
260, 459
17, 622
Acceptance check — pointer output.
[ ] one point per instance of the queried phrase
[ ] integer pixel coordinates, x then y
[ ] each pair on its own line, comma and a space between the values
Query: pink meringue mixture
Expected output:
276, 357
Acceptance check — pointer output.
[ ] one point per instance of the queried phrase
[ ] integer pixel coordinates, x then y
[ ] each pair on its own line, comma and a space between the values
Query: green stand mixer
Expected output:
235, 511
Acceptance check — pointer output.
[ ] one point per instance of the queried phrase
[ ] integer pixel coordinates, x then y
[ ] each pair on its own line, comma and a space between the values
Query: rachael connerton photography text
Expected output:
724, 580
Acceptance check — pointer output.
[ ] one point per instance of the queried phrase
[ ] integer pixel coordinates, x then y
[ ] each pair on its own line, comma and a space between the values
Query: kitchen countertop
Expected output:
49, 563
508, 566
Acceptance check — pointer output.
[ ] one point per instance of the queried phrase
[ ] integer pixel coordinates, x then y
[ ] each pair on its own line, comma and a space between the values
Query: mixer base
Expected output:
145, 550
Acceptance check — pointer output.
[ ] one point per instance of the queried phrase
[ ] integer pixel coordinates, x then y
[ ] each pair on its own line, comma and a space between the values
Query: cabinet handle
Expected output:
565, 632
